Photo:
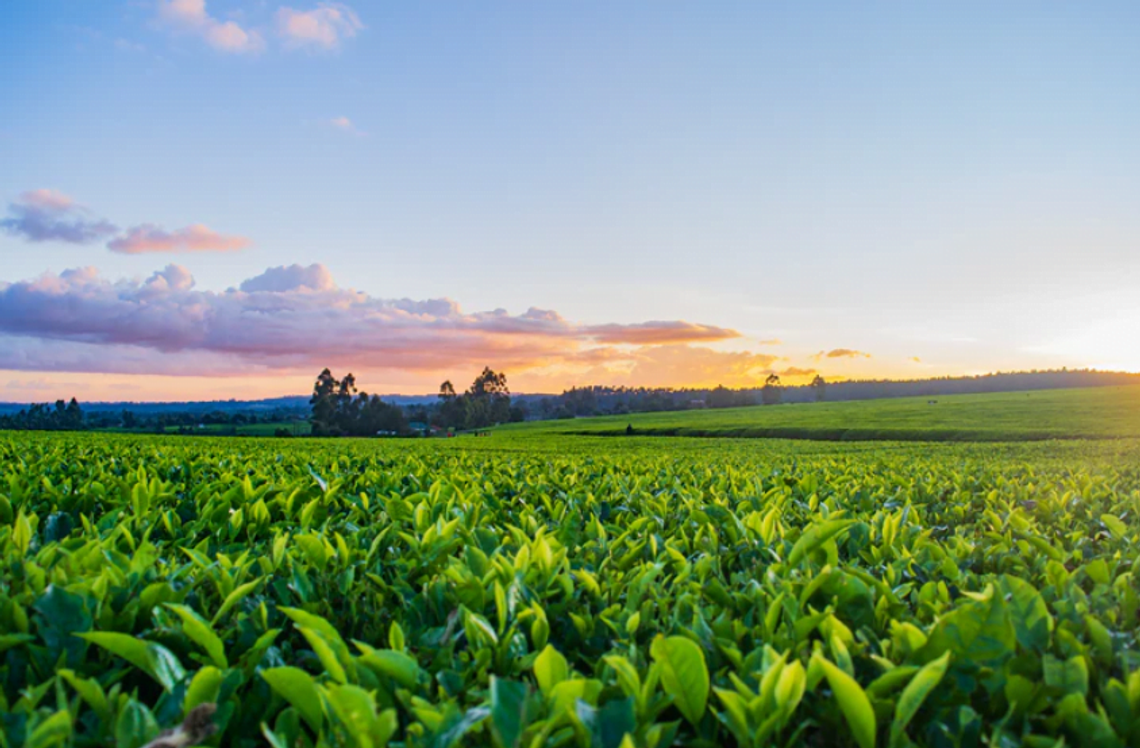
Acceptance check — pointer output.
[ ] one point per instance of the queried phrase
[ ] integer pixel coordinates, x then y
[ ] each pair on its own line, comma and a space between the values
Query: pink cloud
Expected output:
191, 17
345, 125
321, 28
194, 238
296, 318
659, 333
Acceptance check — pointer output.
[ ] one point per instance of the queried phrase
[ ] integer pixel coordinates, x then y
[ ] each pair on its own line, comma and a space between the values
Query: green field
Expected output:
532, 590
1093, 413
296, 428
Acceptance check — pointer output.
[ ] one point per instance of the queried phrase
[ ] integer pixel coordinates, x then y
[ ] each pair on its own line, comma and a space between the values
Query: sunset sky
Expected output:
217, 199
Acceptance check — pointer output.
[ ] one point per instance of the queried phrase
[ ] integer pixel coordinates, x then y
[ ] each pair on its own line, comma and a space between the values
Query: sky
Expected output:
218, 199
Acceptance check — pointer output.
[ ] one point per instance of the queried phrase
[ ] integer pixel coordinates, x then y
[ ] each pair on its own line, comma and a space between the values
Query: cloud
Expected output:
840, 353
47, 215
293, 278
795, 371
321, 28
658, 333
191, 17
770, 341
194, 238
916, 359
296, 318
345, 125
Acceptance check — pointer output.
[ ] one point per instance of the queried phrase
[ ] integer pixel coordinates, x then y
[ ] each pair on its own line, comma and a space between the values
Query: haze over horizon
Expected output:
206, 200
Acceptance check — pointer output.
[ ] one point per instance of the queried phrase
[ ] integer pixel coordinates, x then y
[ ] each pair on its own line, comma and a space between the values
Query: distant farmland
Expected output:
1093, 413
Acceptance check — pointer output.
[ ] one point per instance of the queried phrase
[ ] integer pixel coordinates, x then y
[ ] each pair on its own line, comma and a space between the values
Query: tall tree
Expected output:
772, 392
819, 386
323, 403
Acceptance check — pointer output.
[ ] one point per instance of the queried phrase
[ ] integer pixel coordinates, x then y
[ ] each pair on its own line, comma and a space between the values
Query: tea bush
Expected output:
569, 592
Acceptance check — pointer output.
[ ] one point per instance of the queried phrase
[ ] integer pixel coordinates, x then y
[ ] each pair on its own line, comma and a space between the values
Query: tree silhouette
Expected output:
819, 386
772, 392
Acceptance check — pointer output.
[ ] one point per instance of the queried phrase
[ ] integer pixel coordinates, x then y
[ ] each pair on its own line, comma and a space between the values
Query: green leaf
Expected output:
356, 710
135, 727
550, 669
61, 615
22, 534
915, 693
1069, 676
977, 632
300, 690
396, 637
853, 702
52, 731
325, 653
235, 597
509, 716
330, 642
91, 692
153, 659
815, 536
790, 688
201, 634
1032, 621
398, 666
203, 689
683, 674
1115, 526
7, 641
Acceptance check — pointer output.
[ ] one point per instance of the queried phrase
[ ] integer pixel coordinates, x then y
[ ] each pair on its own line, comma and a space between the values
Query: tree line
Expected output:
64, 416
338, 409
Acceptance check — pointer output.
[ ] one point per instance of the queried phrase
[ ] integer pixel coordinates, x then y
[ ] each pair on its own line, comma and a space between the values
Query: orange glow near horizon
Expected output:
28, 387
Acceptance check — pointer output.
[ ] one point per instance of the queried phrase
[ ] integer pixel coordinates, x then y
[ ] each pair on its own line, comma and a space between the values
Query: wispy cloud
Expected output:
840, 353
295, 318
194, 238
192, 17
345, 125
322, 28
47, 215
658, 333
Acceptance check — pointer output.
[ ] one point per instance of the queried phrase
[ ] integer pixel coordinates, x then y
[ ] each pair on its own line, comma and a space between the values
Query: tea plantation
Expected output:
567, 591
1082, 413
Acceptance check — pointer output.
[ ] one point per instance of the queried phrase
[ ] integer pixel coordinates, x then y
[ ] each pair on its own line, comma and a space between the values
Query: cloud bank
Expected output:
296, 318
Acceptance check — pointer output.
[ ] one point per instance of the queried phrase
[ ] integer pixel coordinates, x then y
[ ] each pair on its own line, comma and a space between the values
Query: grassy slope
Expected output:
1101, 412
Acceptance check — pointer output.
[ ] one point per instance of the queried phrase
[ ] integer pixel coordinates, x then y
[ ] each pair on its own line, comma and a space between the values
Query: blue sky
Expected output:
955, 182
